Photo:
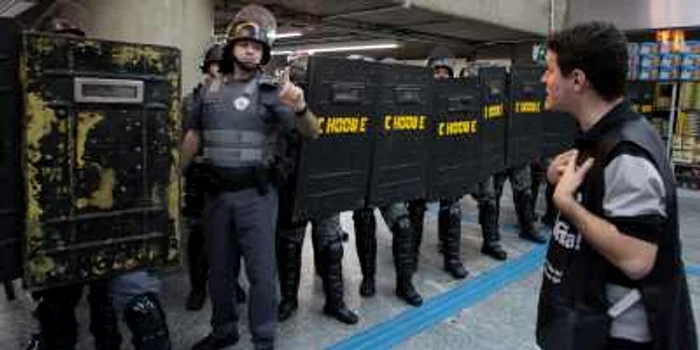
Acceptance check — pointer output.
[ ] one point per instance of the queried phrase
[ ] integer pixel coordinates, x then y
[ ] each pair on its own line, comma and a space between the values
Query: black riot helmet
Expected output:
214, 54
61, 25
256, 23
441, 57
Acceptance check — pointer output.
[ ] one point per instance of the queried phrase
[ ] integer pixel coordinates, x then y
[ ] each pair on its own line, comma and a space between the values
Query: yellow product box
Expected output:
677, 142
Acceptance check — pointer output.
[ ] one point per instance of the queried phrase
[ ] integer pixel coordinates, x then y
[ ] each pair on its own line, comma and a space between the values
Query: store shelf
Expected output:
687, 165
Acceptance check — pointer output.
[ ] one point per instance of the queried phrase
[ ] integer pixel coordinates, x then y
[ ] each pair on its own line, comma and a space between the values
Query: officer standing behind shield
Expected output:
195, 183
450, 214
520, 181
326, 235
235, 122
402, 246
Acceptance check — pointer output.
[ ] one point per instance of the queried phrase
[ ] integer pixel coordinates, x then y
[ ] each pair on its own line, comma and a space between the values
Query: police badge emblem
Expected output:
241, 103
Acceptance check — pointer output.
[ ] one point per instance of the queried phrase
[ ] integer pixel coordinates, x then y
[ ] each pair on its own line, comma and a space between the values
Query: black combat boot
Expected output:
416, 214
289, 247
490, 231
146, 320
103, 319
213, 342
332, 257
198, 266
318, 260
241, 296
56, 315
366, 243
526, 219
36, 343
403, 250
450, 227
550, 214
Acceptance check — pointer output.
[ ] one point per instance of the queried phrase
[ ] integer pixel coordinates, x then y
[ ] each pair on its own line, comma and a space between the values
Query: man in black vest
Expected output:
236, 121
613, 278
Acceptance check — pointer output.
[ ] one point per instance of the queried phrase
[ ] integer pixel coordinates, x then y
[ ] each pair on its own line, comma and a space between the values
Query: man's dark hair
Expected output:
599, 50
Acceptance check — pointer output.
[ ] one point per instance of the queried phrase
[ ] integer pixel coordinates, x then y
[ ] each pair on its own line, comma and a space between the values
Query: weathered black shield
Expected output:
455, 152
492, 81
525, 107
333, 171
102, 125
403, 124
558, 133
10, 171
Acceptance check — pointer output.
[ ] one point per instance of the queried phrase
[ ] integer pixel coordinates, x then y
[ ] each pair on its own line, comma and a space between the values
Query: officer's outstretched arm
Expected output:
189, 148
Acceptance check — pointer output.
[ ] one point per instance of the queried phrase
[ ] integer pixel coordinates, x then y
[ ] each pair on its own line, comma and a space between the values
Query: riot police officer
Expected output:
235, 122
327, 235
450, 213
403, 248
537, 170
328, 247
403, 244
488, 206
488, 196
520, 182
195, 180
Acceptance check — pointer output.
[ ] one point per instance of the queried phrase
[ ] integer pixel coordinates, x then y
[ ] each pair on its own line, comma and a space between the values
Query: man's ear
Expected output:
579, 78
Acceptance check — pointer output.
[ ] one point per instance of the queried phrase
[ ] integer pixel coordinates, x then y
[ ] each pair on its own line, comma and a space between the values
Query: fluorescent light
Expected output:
281, 52
15, 8
344, 48
353, 48
287, 35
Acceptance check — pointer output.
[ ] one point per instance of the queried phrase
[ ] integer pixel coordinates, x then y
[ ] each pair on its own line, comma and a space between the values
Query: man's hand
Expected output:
570, 180
558, 165
290, 94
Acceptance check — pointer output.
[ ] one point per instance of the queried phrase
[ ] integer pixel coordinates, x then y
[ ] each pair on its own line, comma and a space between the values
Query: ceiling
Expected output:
417, 31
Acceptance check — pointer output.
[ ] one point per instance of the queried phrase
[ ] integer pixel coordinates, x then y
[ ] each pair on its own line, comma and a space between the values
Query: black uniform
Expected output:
326, 238
403, 248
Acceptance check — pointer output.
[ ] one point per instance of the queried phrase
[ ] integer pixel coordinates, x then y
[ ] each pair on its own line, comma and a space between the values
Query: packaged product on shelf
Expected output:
648, 48
693, 46
632, 49
648, 73
665, 47
649, 61
669, 73
670, 60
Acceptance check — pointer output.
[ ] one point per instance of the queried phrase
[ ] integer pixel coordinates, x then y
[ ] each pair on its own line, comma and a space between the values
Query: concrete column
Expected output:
185, 24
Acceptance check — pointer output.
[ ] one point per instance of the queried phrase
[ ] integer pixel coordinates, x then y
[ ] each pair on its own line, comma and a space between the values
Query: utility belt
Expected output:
238, 179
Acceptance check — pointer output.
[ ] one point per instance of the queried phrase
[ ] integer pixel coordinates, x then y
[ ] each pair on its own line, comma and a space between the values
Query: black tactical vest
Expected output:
234, 128
573, 313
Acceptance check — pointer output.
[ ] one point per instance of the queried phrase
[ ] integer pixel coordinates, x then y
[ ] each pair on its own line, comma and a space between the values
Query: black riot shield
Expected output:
558, 133
333, 171
400, 155
526, 96
10, 171
492, 81
102, 126
455, 152
641, 96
